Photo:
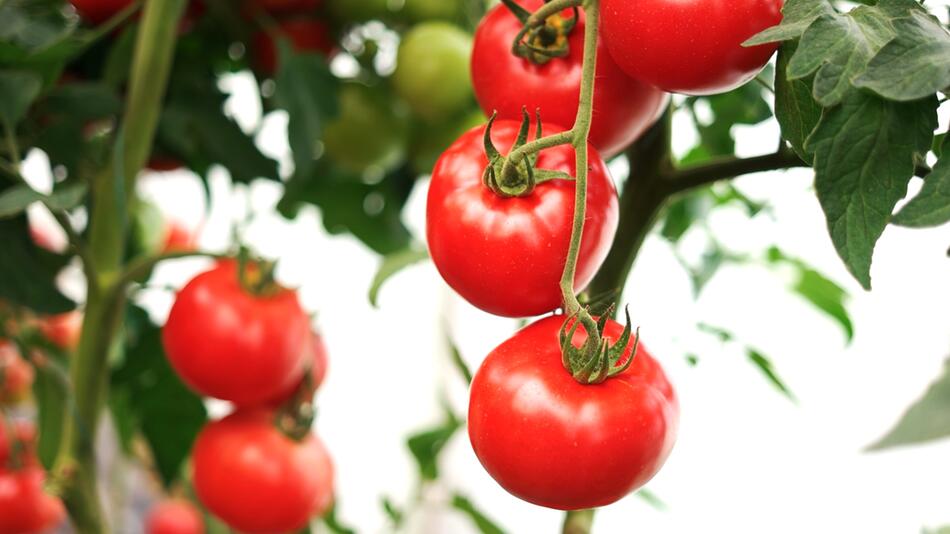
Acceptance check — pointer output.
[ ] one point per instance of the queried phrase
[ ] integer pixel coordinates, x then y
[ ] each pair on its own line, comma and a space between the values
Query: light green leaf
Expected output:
768, 370
427, 445
926, 420
459, 362
865, 151
797, 16
392, 264
18, 89
653, 500
482, 522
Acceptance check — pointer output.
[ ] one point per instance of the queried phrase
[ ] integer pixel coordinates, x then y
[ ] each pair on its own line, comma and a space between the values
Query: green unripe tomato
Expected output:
359, 10
423, 10
370, 131
432, 72
429, 141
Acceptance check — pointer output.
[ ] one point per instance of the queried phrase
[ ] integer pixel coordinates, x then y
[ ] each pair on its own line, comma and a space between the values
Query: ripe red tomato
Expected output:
63, 330
256, 479
227, 343
16, 375
304, 34
623, 107
576, 446
24, 507
174, 516
317, 360
506, 255
689, 46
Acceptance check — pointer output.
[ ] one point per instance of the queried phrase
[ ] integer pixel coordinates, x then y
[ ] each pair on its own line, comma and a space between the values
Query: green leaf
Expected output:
426, 446
307, 90
839, 48
334, 525
938, 530
682, 213
16, 199
652, 499
914, 65
166, 412
865, 152
931, 207
724, 335
795, 107
51, 391
18, 89
27, 272
391, 265
744, 105
395, 514
459, 362
797, 17
482, 522
926, 420
768, 370
66, 197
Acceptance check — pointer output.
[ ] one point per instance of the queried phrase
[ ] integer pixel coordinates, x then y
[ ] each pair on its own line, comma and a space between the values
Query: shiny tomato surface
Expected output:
24, 506
506, 255
689, 46
623, 107
227, 343
174, 516
554, 442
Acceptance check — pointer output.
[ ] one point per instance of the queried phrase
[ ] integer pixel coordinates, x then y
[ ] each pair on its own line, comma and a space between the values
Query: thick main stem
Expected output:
75, 466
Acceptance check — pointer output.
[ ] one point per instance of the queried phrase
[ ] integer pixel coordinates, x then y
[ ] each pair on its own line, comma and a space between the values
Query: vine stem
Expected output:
74, 470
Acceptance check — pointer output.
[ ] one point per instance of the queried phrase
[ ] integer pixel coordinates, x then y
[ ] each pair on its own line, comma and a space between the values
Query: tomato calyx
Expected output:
295, 418
540, 42
256, 276
519, 178
596, 359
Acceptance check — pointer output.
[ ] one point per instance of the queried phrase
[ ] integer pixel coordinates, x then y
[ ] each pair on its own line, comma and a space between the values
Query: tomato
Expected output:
317, 361
174, 516
24, 434
177, 238
689, 46
16, 375
256, 479
506, 255
24, 507
623, 107
432, 70
430, 140
422, 10
304, 34
576, 446
227, 343
63, 330
369, 133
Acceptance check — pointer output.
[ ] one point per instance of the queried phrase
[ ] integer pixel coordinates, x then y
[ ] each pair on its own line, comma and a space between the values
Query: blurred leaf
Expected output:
931, 207
915, 64
392, 264
745, 105
334, 525
926, 420
815, 287
27, 272
712, 259
167, 413
768, 370
17, 198
862, 168
426, 446
394, 513
29, 26
795, 107
53, 402
683, 212
723, 335
18, 89
938, 530
652, 499
797, 17
458, 361
729, 194
692, 360
69, 113
482, 522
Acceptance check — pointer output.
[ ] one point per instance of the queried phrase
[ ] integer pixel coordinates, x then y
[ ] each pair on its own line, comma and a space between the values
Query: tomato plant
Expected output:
432, 70
174, 516
577, 446
693, 47
229, 343
623, 107
505, 255
370, 131
258, 480
25, 508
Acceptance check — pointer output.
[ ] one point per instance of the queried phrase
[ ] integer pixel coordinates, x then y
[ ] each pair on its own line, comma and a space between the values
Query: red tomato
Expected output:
163, 164
16, 375
63, 330
174, 516
623, 108
506, 255
24, 507
277, 7
257, 480
24, 433
229, 344
304, 34
689, 46
177, 238
574, 446
317, 360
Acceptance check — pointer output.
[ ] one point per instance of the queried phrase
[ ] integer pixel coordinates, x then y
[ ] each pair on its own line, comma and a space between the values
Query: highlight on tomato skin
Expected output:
577, 446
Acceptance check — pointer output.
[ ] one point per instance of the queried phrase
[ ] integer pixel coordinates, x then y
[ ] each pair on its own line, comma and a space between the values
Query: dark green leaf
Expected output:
30, 26
692, 360
865, 152
66, 197
931, 207
16, 199
482, 522
18, 89
914, 65
167, 413
51, 391
797, 17
426, 446
768, 370
27, 272
795, 107
392, 264
926, 420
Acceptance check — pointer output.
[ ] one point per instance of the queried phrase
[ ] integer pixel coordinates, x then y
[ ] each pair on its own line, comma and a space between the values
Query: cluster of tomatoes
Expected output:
544, 436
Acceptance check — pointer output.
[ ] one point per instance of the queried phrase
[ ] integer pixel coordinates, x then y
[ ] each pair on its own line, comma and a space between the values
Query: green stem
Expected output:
75, 466
553, 7
518, 155
578, 522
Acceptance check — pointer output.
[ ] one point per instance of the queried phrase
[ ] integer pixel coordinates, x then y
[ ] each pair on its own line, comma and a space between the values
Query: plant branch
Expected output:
578, 522
681, 180
142, 266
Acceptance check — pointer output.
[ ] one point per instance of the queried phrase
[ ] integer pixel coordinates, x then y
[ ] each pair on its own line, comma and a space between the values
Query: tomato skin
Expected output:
689, 46
228, 344
256, 479
623, 107
506, 255
24, 507
174, 516
432, 73
16, 375
576, 446
305, 35
318, 362
63, 330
